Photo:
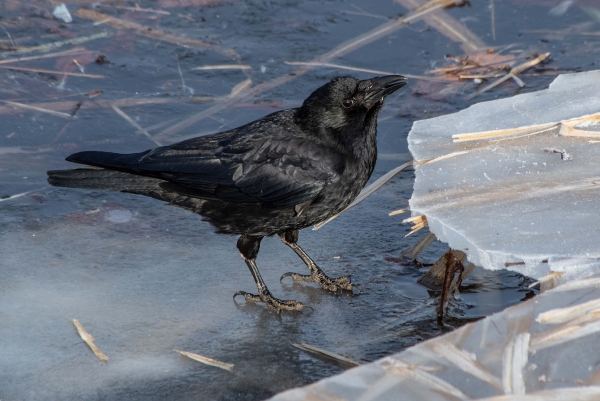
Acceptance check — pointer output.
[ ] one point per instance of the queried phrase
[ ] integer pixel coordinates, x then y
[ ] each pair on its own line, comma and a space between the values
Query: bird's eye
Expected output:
348, 103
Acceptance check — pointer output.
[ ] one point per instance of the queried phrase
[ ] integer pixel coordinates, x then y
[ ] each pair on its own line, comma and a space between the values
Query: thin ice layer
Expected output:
511, 202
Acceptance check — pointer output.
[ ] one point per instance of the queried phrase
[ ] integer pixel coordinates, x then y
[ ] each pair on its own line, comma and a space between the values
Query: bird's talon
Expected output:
276, 305
288, 274
297, 278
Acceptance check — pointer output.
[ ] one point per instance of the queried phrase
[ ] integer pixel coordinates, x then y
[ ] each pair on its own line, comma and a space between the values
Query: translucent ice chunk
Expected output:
504, 199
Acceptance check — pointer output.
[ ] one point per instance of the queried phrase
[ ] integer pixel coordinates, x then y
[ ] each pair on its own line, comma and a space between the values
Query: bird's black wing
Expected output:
272, 167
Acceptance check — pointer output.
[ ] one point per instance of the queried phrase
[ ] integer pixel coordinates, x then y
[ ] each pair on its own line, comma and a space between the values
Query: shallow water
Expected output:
145, 278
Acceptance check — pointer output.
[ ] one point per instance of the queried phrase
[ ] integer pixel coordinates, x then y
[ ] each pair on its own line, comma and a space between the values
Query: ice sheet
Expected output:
539, 349
508, 202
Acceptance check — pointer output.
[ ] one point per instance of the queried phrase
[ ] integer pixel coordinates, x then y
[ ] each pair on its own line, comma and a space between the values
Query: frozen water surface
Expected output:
515, 201
145, 278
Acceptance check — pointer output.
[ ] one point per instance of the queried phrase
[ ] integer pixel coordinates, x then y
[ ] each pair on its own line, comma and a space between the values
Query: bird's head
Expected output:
346, 106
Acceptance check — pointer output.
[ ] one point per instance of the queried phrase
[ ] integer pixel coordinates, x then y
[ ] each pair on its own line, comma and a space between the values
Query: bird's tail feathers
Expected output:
113, 161
99, 178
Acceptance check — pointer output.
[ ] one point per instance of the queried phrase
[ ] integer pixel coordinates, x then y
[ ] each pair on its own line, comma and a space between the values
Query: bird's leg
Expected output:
290, 238
248, 246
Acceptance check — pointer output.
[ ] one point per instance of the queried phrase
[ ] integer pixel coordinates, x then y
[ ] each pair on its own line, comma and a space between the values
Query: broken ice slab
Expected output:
537, 350
515, 183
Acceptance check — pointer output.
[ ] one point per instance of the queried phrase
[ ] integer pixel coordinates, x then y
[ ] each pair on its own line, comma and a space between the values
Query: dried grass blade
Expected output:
322, 352
579, 284
399, 211
222, 67
446, 24
19, 195
28, 107
152, 33
514, 361
89, 340
77, 50
238, 92
344, 67
464, 361
415, 219
562, 315
207, 361
420, 375
473, 136
547, 282
573, 330
444, 157
570, 127
368, 191
515, 71
417, 227
136, 125
145, 10
54, 45
73, 74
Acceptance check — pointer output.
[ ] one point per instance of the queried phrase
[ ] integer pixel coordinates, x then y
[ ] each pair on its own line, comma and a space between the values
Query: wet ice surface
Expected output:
509, 200
145, 278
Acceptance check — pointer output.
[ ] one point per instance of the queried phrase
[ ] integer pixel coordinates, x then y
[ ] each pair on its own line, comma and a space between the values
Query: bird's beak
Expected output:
380, 87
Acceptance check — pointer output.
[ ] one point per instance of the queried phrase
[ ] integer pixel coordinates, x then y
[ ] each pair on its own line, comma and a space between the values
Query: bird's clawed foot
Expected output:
275, 304
337, 284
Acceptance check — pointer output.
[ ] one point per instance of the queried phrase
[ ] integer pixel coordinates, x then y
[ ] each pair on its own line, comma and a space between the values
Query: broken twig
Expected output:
89, 340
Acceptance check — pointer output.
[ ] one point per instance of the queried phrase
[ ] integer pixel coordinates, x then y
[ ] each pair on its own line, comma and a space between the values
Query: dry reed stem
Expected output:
72, 52
329, 354
343, 67
513, 73
577, 328
547, 282
368, 191
415, 219
73, 74
444, 157
89, 340
447, 25
222, 67
54, 45
145, 10
579, 284
236, 93
420, 374
18, 195
513, 362
422, 224
136, 125
464, 361
152, 33
41, 110
207, 361
399, 211
69, 105
562, 315
566, 128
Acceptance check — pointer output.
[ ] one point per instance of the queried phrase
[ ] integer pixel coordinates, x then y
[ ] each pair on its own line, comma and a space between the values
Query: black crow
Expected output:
276, 175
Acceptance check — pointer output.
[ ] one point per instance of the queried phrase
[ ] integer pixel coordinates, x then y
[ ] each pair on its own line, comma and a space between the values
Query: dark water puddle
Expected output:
145, 278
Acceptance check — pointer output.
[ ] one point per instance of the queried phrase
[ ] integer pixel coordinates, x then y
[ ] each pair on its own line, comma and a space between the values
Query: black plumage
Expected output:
276, 175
